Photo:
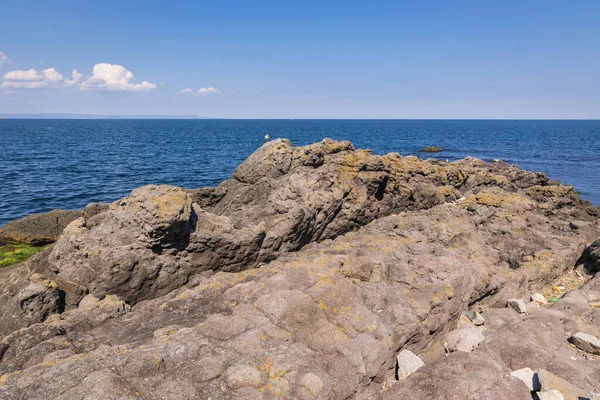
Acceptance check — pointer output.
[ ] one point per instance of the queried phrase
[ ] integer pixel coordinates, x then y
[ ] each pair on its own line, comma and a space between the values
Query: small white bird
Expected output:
267, 137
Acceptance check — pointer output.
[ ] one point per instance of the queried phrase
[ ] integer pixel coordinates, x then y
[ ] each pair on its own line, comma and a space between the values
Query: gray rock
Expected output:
587, 342
38, 229
528, 377
518, 305
42, 229
464, 339
476, 318
408, 362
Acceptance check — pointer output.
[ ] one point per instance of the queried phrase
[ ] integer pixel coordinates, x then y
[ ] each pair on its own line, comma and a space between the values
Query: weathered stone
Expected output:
518, 305
408, 362
464, 339
533, 307
476, 318
42, 229
549, 381
528, 377
586, 342
539, 298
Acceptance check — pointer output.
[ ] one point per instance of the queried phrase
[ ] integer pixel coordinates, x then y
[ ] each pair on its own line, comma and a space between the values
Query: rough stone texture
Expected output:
408, 362
549, 381
550, 395
518, 305
464, 339
587, 342
302, 277
42, 229
38, 229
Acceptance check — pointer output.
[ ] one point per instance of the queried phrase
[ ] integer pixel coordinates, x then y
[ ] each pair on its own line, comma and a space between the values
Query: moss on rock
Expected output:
14, 253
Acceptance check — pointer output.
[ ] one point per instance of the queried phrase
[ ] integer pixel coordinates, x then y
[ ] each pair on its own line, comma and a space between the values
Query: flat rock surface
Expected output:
303, 277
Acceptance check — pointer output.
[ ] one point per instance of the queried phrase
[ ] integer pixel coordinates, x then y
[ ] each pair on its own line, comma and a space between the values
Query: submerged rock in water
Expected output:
300, 278
432, 149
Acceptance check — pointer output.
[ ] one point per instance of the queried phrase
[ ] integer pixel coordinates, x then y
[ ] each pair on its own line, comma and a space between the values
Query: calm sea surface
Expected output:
47, 164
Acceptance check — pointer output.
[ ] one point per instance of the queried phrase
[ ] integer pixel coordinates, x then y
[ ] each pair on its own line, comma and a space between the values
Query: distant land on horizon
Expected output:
166, 116
96, 116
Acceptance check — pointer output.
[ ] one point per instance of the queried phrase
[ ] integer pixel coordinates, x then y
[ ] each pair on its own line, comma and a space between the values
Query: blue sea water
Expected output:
47, 164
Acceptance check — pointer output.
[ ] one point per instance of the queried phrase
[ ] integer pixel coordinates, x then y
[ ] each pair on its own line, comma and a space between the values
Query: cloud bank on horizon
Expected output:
203, 91
105, 76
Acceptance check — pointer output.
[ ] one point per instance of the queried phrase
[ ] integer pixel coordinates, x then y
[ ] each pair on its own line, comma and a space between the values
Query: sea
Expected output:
48, 164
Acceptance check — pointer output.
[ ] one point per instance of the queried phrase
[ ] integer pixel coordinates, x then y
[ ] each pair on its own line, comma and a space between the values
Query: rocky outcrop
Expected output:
302, 277
43, 229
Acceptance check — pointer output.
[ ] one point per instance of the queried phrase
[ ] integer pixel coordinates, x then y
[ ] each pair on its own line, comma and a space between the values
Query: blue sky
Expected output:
303, 59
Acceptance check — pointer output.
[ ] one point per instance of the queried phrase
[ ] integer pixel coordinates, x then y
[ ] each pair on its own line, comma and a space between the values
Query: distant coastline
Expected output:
96, 116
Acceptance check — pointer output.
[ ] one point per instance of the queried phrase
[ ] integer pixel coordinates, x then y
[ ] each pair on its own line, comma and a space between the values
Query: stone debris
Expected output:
586, 342
539, 298
408, 362
476, 318
518, 305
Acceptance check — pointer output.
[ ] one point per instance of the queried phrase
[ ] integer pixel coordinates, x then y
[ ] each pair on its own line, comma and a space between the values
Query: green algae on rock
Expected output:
14, 253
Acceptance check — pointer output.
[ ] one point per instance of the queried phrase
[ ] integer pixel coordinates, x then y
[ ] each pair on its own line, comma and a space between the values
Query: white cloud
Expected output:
32, 79
114, 77
3, 59
207, 91
75, 78
186, 90
8, 92
109, 77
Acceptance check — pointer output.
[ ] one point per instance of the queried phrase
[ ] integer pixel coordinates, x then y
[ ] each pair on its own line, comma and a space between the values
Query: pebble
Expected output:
586, 342
408, 362
518, 305
539, 298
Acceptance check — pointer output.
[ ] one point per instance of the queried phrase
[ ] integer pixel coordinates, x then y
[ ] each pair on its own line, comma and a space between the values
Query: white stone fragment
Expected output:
408, 362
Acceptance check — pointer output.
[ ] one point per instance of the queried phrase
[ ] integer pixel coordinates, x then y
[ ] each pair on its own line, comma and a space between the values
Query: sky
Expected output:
302, 59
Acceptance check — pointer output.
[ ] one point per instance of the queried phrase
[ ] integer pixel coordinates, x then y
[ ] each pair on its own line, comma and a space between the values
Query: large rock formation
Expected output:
43, 229
302, 277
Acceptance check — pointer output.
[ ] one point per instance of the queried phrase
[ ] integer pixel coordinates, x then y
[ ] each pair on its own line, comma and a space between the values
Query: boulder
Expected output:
586, 342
